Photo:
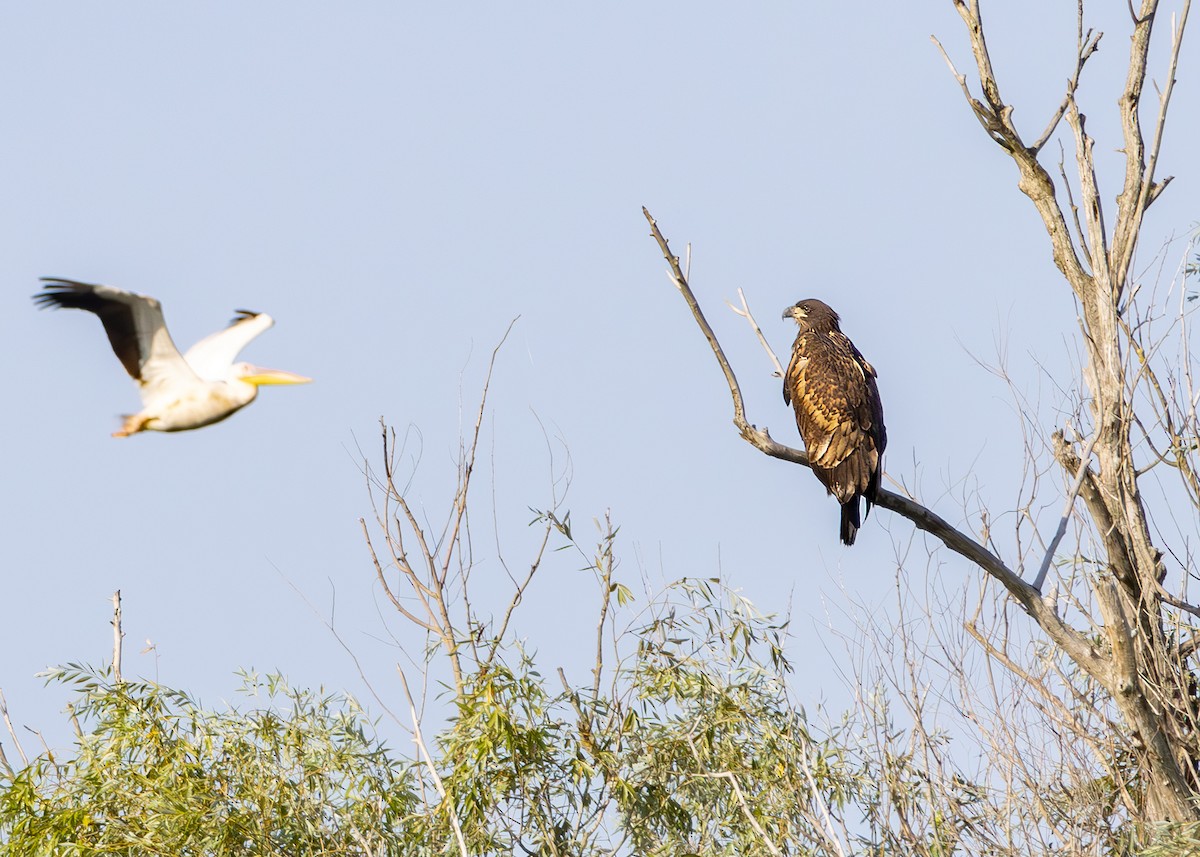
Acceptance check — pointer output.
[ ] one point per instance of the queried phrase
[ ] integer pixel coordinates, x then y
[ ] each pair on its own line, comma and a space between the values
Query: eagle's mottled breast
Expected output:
832, 388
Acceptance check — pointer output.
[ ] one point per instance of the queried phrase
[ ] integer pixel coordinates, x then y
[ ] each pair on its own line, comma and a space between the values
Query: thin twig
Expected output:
1068, 507
959, 76
681, 283
11, 731
744, 312
996, 119
387, 589
329, 626
741, 799
118, 636
536, 563
827, 820
1085, 46
604, 568
429, 766
1083, 244
468, 466
1150, 190
518, 595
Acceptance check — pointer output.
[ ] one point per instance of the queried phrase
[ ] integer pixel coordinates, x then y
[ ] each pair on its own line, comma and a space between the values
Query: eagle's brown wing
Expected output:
833, 392
871, 417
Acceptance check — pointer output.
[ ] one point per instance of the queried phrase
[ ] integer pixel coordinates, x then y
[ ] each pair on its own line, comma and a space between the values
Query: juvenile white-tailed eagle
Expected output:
832, 387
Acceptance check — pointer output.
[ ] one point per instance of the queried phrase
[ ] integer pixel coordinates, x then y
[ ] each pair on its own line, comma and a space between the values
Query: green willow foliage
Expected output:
693, 748
157, 774
688, 747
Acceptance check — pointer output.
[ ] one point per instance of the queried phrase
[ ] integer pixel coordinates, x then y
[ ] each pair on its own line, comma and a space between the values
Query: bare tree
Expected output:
1112, 599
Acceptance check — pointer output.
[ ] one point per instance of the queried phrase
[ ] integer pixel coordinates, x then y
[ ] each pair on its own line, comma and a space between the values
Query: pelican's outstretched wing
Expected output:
212, 356
135, 327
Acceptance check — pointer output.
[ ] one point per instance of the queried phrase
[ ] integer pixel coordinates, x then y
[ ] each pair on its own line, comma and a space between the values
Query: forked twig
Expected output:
744, 312
1085, 45
1084, 460
11, 731
1151, 189
729, 777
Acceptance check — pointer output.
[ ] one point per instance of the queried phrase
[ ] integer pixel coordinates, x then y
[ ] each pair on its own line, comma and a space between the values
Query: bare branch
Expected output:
603, 565
681, 283
1178, 603
11, 731
741, 799
387, 589
1095, 246
118, 636
515, 601
429, 766
1085, 46
1079, 233
468, 467
996, 118
1080, 648
1080, 473
744, 312
1139, 174
1150, 189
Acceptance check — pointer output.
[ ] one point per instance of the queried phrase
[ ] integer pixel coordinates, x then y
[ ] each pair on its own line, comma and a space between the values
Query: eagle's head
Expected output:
811, 312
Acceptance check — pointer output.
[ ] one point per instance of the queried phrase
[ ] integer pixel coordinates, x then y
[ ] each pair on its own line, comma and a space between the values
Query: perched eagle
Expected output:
832, 387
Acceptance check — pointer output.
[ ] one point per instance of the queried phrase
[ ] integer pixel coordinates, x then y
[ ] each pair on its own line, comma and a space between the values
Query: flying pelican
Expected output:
179, 391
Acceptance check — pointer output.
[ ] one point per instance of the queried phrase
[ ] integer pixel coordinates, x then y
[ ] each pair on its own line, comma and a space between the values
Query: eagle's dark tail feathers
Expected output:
850, 511
850, 520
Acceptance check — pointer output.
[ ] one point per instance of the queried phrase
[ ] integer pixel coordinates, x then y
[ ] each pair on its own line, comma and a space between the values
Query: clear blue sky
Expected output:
395, 183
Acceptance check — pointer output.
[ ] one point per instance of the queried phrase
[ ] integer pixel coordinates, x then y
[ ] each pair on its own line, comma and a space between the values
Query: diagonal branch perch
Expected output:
1079, 647
759, 438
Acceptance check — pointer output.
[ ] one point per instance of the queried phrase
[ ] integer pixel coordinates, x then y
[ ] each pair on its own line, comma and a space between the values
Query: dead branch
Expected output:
1080, 473
1085, 45
1151, 692
1080, 648
12, 732
427, 759
434, 566
996, 118
745, 313
118, 636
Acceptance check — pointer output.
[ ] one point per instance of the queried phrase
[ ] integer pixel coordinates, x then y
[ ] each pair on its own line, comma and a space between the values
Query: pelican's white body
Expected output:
179, 391
202, 386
